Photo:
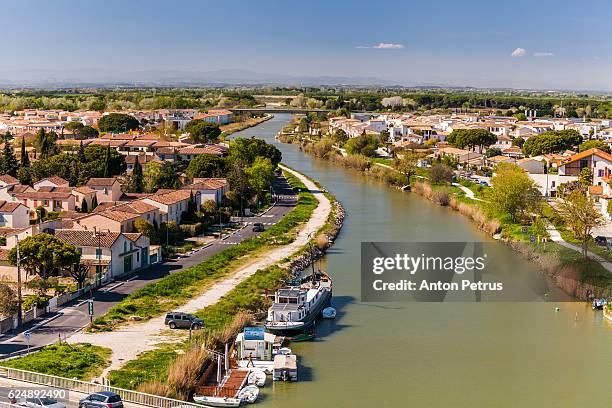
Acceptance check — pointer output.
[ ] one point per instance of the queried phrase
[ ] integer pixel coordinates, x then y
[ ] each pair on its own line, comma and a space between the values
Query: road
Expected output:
74, 316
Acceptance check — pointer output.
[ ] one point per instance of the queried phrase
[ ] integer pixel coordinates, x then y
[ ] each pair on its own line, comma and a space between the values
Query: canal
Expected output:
459, 354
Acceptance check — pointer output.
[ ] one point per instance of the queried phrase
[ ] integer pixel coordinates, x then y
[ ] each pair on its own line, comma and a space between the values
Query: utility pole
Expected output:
19, 300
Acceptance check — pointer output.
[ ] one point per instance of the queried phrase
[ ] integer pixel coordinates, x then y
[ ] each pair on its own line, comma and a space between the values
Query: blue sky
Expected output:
557, 44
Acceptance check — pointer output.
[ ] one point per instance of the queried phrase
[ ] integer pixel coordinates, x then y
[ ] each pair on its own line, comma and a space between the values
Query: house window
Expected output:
600, 173
552, 184
98, 253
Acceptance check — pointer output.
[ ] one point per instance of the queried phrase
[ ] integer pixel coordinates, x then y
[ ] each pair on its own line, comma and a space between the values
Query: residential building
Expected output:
107, 189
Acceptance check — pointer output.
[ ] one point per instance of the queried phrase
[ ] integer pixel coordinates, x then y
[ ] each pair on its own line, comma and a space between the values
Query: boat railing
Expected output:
215, 391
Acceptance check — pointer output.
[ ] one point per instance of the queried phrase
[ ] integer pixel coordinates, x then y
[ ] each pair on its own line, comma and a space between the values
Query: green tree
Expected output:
8, 301
580, 215
551, 142
472, 138
44, 255
494, 151
94, 202
364, 144
518, 142
586, 177
84, 208
118, 122
203, 132
24, 175
25, 160
407, 163
137, 177
147, 229
260, 174
157, 175
206, 165
339, 136
594, 144
246, 150
8, 162
81, 153
513, 192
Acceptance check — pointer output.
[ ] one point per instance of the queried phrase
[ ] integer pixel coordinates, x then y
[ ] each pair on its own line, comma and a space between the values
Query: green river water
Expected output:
451, 354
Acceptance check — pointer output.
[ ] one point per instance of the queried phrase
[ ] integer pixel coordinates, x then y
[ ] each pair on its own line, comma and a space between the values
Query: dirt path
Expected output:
130, 340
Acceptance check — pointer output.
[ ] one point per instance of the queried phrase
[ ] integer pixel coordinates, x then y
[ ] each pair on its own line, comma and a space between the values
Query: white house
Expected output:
107, 189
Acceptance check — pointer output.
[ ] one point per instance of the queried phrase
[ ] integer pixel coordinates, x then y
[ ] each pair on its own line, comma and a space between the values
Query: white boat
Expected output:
217, 401
296, 307
329, 313
257, 377
248, 394
284, 350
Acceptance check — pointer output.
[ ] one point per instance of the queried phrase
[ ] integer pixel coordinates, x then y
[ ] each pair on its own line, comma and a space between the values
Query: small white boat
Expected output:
284, 351
257, 377
329, 313
248, 394
217, 401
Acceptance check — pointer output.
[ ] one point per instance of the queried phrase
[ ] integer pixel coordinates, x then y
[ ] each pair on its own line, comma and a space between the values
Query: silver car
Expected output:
42, 403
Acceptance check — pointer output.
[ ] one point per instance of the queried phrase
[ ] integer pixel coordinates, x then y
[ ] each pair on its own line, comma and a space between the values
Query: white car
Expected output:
42, 403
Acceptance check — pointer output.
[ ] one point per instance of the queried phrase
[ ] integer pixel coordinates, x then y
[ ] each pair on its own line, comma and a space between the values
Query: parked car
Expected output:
601, 240
104, 399
258, 227
42, 403
484, 183
180, 320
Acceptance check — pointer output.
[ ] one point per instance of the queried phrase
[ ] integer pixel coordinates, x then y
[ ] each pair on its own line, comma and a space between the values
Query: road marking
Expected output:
132, 278
113, 287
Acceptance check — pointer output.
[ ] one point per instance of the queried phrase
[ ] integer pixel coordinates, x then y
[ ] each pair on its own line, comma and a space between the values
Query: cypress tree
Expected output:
94, 202
8, 162
25, 160
107, 172
84, 208
137, 177
82, 157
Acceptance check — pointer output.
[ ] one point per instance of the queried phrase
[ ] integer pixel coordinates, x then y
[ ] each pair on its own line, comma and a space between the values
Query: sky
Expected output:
520, 44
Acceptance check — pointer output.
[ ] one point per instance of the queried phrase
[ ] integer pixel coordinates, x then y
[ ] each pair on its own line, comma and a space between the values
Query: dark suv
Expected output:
182, 320
258, 227
104, 399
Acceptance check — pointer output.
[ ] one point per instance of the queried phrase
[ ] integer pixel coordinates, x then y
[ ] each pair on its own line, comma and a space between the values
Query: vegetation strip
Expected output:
175, 289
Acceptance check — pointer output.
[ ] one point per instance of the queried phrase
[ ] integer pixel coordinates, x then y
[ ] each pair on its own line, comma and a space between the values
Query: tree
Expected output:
551, 142
8, 162
518, 142
407, 164
137, 177
118, 122
209, 207
81, 131
45, 143
147, 229
84, 208
364, 144
494, 151
580, 215
157, 175
339, 136
79, 272
594, 144
513, 192
472, 138
586, 177
101, 160
202, 131
440, 174
260, 174
107, 162
44, 255
81, 154
25, 160
8, 301
206, 165
94, 202
24, 176
246, 150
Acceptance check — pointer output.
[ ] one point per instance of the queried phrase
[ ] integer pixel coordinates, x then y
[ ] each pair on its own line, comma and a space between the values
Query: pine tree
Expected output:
82, 157
137, 177
25, 176
25, 160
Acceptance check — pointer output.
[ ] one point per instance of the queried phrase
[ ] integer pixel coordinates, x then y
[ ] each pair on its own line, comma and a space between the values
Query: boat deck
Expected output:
229, 387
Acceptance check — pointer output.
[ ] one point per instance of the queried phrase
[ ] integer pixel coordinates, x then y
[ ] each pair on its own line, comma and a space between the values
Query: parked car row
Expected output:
105, 399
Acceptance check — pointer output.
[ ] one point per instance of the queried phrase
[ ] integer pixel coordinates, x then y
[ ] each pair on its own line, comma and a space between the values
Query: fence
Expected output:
85, 387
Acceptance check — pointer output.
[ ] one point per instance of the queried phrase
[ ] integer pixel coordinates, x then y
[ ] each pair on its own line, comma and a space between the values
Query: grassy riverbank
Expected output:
80, 361
175, 289
224, 320
230, 128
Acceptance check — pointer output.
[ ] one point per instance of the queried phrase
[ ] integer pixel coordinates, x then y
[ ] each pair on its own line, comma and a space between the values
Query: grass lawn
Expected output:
174, 290
148, 366
81, 361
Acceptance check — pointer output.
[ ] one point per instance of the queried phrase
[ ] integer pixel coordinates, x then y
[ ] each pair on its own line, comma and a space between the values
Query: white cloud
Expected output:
543, 54
383, 46
519, 52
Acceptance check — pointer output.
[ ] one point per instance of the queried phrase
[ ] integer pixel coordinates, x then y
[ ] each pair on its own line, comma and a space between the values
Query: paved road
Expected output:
74, 317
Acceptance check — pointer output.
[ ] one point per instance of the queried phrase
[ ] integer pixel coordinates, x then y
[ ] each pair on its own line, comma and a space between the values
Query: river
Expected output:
450, 354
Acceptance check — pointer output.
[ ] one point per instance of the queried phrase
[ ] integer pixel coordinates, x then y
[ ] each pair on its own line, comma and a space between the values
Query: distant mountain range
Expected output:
99, 77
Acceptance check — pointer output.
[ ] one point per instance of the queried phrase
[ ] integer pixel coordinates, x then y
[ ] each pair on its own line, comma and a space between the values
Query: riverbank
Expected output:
230, 128
563, 265
143, 342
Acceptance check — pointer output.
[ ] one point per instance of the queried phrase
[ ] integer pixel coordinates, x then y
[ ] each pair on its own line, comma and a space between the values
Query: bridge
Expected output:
278, 110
